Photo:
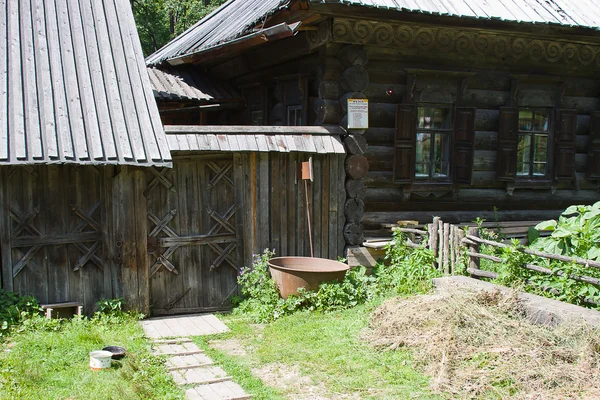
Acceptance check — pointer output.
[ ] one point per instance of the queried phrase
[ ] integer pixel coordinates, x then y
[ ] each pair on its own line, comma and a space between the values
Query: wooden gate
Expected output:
192, 236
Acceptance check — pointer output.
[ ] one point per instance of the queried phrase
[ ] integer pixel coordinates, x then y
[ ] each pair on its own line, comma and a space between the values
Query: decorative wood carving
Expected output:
321, 36
465, 42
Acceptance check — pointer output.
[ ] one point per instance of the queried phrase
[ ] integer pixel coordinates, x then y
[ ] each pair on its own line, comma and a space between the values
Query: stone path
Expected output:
187, 363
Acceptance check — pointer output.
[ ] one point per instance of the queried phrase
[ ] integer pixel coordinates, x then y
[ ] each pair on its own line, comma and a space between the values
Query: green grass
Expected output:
327, 349
52, 362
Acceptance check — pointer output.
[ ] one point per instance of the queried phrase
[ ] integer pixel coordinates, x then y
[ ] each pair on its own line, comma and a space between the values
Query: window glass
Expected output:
433, 118
523, 154
257, 117
441, 153
423, 153
532, 150
434, 126
294, 115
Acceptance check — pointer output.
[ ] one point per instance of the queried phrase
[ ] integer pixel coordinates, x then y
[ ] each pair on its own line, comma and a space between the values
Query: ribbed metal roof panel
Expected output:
229, 21
74, 86
283, 139
583, 13
184, 83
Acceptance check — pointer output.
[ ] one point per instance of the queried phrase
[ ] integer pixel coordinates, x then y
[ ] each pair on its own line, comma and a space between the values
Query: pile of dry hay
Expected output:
479, 344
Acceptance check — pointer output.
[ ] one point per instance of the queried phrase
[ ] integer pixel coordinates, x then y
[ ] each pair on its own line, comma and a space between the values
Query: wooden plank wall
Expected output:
274, 204
55, 197
487, 91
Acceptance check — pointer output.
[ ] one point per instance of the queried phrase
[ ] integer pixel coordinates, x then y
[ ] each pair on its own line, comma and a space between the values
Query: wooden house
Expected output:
486, 109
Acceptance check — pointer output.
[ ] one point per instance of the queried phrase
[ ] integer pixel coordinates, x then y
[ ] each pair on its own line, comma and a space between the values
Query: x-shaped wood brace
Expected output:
23, 224
161, 226
221, 173
160, 177
89, 253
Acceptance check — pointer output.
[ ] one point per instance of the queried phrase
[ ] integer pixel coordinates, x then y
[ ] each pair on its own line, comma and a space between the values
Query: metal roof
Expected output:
74, 86
583, 13
185, 84
305, 139
229, 21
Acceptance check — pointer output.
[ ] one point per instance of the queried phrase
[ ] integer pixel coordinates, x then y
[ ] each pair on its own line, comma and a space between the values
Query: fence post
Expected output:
434, 238
473, 248
446, 248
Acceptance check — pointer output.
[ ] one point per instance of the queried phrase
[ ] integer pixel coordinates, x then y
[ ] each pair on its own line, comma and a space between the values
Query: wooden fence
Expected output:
452, 244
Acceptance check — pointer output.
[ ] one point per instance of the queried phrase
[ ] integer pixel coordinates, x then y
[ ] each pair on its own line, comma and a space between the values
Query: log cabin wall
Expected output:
273, 202
74, 233
469, 69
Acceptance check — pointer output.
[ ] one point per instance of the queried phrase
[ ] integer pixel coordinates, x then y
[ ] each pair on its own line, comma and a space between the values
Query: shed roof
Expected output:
74, 86
186, 84
582, 13
303, 139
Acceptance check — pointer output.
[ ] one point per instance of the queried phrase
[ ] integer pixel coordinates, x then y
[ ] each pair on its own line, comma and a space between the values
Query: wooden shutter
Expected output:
464, 138
593, 161
508, 137
404, 143
564, 144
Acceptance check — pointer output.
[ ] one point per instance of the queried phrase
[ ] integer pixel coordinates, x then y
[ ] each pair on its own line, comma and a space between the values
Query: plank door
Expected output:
192, 241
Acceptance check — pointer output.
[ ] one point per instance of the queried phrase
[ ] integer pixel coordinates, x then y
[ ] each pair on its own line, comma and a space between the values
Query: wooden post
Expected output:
434, 237
446, 248
441, 245
473, 248
452, 246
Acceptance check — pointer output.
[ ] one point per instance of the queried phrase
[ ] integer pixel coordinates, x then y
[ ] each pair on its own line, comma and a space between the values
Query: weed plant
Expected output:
408, 271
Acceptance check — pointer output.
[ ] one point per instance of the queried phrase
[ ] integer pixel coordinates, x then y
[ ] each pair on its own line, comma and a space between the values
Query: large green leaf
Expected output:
532, 235
562, 232
571, 210
593, 253
546, 225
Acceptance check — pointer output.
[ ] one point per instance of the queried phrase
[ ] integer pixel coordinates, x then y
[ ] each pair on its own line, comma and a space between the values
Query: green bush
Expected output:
576, 233
410, 271
14, 309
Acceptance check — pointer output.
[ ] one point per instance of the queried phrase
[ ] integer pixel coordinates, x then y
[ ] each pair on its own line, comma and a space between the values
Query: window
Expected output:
257, 117
532, 147
432, 150
294, 115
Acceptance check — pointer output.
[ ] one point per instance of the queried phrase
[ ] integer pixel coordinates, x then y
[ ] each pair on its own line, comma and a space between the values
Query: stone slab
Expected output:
539, 310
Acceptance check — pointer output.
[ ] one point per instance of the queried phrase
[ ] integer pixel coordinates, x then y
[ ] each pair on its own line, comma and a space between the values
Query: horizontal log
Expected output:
328, 111
195, 240
484, 256
356, 144
330, 69
373, 220
357, 166
385, 92
412, 230
384, 72
583, 105
354, 79
330, 90
55, 240
354, 233
353, 55
488, 99
356, 189
354, 210
380, 136
481, 273
536, 253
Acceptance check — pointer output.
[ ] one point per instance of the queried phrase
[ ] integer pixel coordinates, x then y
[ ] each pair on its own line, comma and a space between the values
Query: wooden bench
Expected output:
63, 310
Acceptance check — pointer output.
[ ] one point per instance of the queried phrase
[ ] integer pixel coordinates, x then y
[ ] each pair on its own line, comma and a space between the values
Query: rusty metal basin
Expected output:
293, 273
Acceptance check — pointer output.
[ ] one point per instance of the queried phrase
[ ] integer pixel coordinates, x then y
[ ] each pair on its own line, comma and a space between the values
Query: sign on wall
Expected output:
358, 114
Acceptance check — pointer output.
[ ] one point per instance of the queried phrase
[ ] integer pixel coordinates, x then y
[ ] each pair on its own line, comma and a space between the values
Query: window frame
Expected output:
433, 132
549, 148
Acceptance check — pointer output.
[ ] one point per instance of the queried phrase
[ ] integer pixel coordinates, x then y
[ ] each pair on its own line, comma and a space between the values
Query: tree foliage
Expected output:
159, 21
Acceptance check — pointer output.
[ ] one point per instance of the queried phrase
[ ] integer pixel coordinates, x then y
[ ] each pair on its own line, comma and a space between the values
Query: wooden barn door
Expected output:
192, 241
